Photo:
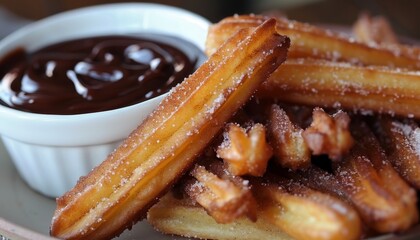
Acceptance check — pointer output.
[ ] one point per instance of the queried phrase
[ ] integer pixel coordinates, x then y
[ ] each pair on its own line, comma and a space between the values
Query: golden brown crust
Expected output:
368, 90
401, 141
285, 207
367, 181
295, 208
175, 216
368, 145
309, 41
363, 83
115, 194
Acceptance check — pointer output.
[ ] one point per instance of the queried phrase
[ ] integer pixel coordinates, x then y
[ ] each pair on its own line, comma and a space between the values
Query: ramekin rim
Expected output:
10, 118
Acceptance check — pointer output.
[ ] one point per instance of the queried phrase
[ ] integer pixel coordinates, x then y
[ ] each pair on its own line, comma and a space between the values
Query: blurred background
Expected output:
402, 14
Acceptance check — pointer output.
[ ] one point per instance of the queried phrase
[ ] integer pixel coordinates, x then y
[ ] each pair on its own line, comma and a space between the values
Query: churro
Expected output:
172, 215
399, 138
284, 204
119, 192
245, 152
368, 145
373, 30
295, 208
368, 90
310, 41
366, 179
329, 134
225, 198
290, 148
401, 141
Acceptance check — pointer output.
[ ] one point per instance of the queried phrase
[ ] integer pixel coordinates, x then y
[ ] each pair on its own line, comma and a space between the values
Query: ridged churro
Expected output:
367, 81
366, 179
370, 89
178, 216
118, 192
368, 145
401, 141
284, 203
295, 208
310, 41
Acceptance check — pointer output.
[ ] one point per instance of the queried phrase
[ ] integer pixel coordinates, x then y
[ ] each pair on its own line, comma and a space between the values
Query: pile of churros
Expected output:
288, 131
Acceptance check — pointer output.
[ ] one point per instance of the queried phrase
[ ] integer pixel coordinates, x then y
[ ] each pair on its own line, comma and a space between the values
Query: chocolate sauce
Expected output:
95, 74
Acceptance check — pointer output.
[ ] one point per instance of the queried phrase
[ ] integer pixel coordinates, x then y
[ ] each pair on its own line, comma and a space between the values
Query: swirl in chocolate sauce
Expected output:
94, 74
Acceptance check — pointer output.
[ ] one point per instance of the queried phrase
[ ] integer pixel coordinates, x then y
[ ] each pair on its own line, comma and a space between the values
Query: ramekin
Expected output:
51, 152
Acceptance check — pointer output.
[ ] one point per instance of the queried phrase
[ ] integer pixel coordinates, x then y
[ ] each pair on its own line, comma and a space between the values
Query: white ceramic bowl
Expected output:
51, 152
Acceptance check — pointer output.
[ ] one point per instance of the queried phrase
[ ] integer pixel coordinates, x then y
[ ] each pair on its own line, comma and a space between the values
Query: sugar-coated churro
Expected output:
118, 192
344, 85
310, 41
290, 148
177, 216
368, 145
295, 208
366, 179
401, 141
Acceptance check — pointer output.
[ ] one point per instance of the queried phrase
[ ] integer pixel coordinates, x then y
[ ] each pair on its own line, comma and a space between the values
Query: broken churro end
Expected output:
290, 148
329, 134
225, 200
245, 152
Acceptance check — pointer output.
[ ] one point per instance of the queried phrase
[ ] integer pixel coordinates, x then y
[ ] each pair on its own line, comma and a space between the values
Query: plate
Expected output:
26, 214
